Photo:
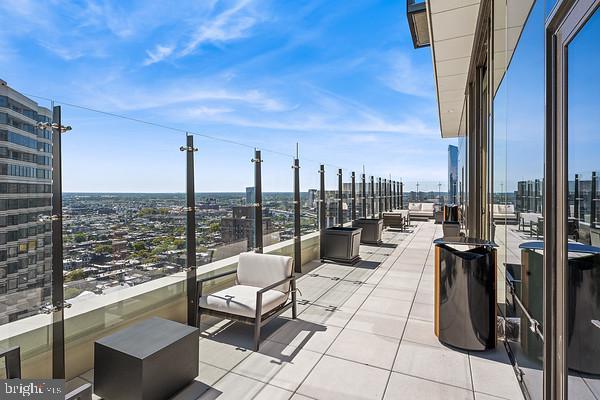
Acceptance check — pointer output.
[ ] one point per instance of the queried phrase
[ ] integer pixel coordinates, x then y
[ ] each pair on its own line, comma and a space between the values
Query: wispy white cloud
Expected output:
158, 54
183, 96
204, 111
233, 23
404, 76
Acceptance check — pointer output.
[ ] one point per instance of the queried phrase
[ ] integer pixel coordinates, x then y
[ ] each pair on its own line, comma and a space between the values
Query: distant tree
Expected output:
147, 211
75, 275
139, 246
214, 227
103, 249
80, 237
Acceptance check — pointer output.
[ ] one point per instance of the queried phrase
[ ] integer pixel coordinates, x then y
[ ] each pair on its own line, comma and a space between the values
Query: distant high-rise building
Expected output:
250, 195
25, 205
240, 226
311, 201
452, 174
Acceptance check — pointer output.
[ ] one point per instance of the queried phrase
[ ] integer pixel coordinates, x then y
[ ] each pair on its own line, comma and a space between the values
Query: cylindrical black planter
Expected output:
371, 230
465, 293
450, 213
342, 244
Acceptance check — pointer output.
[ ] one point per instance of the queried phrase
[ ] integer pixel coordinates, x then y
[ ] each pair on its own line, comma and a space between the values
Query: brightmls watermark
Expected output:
32, 389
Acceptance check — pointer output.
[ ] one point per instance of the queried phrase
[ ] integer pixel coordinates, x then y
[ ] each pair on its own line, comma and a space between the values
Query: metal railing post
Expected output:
353, 194
322, 211
364, 196
258, 220
594, 200
401, 195
192, 287
379, 199
576, 197
297, 232
372, 196
58, 299
385, 195
340, 198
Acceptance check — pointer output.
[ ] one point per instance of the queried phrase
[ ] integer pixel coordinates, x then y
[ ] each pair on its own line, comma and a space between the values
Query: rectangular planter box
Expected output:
342, 245
371, 229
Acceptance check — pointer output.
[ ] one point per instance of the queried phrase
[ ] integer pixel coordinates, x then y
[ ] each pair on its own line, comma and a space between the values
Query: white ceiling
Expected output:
452, 29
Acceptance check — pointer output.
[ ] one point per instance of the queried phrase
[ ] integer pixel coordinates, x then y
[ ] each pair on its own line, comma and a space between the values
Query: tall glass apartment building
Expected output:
25, 202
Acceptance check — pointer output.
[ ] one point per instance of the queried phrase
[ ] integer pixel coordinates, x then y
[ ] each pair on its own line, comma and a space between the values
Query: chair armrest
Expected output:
274, 285
222, 274
200, 282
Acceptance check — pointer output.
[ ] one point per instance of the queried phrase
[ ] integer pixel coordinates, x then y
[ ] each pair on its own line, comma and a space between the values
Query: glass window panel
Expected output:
518, 175
583, 265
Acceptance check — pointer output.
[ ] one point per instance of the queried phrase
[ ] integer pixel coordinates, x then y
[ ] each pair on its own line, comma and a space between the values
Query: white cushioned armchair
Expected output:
421, 210
261, 293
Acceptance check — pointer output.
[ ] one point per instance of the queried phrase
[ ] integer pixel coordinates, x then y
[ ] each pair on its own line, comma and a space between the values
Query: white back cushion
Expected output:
262, 270
496, 209
501, 209
414, 206
427, 206
510, 209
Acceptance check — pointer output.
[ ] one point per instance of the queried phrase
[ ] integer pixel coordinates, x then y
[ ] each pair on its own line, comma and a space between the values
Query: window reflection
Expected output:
583, 268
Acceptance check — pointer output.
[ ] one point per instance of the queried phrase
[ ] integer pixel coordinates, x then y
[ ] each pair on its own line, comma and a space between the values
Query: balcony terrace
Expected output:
363, 332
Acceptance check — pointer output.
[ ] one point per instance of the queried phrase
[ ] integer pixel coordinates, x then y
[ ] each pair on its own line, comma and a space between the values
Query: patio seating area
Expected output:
363, 332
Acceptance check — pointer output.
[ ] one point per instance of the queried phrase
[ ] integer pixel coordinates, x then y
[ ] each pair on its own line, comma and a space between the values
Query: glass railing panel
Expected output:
225, 200
347, 196
278, 197
331, 196
370, 197
309, 196
425, 191
124, 235
26, 235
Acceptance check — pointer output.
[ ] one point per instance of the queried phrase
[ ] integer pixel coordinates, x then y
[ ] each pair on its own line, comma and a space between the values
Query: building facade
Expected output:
25, 202
240, 226
517, 84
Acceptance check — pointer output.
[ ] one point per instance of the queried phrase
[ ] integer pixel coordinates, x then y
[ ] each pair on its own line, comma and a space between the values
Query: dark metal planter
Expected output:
342, 244
465, 293
371, 230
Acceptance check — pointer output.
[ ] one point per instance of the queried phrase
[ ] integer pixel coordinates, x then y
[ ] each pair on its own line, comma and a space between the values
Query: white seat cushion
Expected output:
427, 206
414, 206
262, 270
241, 300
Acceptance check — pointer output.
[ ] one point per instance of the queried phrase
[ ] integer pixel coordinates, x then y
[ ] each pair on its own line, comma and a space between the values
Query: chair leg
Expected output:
256, 335
294, 305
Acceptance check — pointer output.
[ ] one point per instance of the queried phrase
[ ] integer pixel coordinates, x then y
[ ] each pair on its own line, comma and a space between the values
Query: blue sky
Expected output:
339, 78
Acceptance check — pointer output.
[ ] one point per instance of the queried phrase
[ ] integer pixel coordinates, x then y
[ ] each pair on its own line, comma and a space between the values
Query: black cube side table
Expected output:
148, 361
465, 293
